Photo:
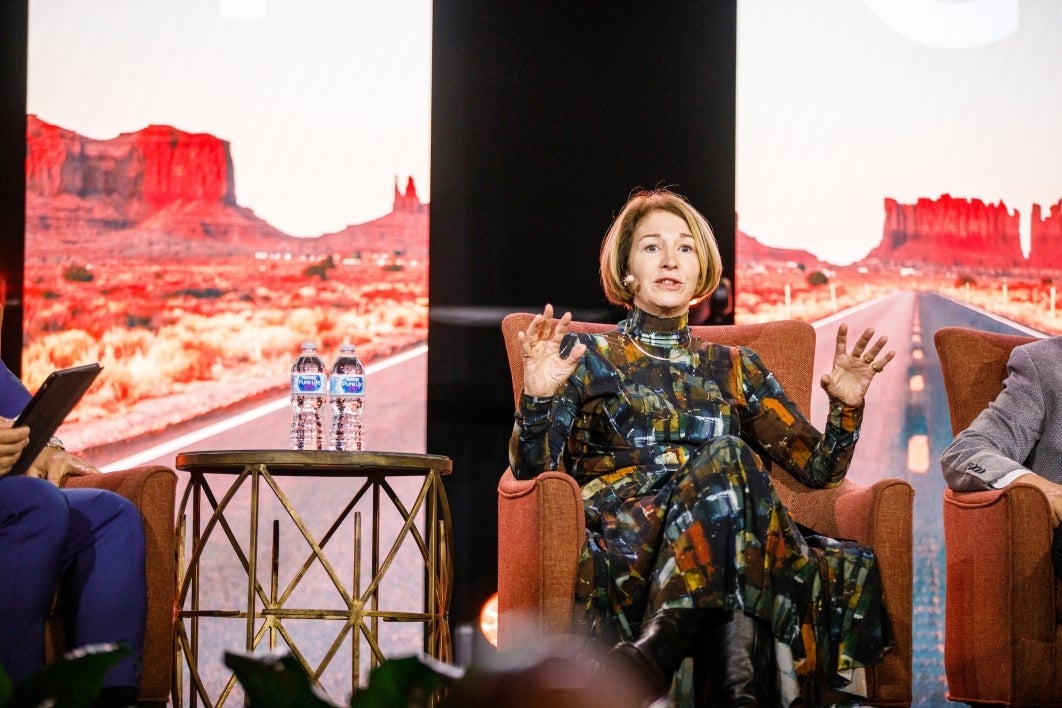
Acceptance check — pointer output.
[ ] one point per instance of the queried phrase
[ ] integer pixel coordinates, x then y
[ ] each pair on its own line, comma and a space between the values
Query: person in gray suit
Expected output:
1019, 434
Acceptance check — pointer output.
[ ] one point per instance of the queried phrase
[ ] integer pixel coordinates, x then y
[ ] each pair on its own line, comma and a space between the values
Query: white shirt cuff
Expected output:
1006, 479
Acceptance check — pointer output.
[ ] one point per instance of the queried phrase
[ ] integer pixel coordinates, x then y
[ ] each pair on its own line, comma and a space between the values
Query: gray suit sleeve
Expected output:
1001, 438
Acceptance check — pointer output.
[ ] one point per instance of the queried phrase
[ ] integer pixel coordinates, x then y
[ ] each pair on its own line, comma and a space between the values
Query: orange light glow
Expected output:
488, 620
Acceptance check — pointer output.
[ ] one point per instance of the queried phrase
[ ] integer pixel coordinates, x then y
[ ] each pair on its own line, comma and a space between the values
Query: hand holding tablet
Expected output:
46, 411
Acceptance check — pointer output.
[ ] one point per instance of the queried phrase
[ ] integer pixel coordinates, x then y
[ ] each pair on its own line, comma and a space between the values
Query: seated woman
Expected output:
89, 541
689, 551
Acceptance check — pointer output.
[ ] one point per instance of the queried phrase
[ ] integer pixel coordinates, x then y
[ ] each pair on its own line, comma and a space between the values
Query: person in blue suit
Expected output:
87, 542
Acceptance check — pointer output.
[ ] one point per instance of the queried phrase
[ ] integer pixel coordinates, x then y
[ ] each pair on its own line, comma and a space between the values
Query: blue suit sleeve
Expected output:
13, 395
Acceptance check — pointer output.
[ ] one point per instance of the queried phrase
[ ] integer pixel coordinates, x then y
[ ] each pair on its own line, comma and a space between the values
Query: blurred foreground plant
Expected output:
282, 682
71, 682
561, 675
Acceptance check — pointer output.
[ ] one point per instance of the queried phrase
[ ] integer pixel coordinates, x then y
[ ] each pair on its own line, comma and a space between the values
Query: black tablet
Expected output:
45, 412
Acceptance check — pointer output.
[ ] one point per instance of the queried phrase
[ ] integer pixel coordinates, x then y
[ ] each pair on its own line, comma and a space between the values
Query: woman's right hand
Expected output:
12, 442
545, 369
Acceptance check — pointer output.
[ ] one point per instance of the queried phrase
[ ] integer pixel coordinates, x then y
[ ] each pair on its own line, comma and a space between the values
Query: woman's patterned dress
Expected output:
664, 434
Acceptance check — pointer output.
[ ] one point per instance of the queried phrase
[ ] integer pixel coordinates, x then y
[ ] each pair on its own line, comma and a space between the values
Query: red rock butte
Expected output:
161, 190
956, 232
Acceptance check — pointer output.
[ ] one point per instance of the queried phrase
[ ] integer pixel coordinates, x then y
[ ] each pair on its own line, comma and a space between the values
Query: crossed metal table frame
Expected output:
266, 609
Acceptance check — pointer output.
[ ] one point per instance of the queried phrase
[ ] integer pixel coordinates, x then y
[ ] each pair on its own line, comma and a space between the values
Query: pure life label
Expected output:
347, 385
308, 384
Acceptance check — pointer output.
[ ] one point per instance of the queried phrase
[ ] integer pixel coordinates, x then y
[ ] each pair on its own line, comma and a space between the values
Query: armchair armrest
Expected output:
1000, 614
541, 530
137, 485
152, 489
879, 516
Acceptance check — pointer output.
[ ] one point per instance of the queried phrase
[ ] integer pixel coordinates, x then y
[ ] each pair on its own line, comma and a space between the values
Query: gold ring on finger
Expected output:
868, 359
877, 369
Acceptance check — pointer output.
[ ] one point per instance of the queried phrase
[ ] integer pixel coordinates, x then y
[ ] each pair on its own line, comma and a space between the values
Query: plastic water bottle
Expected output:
347, 390
308, 393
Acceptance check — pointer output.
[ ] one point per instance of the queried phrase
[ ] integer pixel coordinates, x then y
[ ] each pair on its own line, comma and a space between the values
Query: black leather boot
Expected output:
735, 665
650, 661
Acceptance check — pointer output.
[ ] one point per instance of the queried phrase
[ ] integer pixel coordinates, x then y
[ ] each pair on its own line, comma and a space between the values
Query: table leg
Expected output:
252, 560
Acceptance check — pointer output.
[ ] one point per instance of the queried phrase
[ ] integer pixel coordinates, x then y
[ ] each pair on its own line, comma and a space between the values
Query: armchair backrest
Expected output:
973, 363
787, 347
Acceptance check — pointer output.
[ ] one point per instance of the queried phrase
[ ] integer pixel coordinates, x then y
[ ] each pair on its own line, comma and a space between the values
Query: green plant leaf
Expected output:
275, 682
282, 682
71, 682
405, 682
6, 687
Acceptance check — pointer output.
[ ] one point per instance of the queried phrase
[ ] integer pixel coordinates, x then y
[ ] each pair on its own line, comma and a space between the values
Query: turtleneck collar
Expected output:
657, 331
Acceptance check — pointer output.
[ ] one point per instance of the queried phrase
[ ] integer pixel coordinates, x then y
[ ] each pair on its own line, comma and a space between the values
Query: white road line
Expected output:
819, 324
235, 421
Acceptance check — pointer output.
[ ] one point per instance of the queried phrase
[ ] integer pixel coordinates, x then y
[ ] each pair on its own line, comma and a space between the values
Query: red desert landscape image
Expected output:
139, 257
962, 248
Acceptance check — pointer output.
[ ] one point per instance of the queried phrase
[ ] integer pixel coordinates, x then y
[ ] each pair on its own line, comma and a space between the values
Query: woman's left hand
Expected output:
852, 373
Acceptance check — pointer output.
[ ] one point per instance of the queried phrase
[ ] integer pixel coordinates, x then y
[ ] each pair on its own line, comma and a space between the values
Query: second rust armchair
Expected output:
1002, 635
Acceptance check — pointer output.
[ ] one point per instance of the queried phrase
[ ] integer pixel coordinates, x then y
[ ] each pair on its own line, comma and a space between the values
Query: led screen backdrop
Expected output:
899, 166
209, 184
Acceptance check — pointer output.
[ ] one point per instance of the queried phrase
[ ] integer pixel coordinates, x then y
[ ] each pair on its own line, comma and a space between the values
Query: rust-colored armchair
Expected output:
1002, 637
541, 531
152, 489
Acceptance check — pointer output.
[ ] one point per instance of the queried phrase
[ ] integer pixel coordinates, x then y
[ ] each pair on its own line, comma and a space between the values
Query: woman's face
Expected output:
664, 263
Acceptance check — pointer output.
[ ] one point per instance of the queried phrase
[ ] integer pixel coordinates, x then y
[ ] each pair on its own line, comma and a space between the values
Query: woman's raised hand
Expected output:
852, 373
546, 369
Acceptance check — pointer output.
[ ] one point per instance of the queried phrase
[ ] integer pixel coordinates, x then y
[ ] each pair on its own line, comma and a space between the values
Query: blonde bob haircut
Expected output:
616, 248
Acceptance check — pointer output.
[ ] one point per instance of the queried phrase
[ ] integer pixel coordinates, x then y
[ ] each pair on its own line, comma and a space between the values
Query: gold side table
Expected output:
266, 609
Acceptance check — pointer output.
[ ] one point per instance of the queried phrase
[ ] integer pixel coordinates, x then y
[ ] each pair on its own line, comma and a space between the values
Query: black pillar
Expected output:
13, 19
545, 115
